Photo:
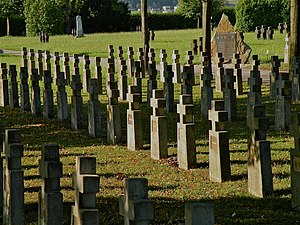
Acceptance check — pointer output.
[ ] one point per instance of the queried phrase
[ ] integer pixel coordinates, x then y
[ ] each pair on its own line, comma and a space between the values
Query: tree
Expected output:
43, 15
9, 8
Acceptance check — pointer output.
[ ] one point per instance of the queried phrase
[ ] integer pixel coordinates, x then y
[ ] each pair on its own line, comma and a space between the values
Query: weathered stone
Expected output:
238, 85
199, 213
98, 72
176, 66
123, 82
94, 117
62, 98
4, 96
219, 78
206, 89
229, 94
169, 89
35, 93
13, 87
76, 103
130, 61
24, 90
152, 72
48, 107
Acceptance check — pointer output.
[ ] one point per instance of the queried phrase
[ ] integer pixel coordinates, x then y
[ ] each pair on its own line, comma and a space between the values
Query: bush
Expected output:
252, 13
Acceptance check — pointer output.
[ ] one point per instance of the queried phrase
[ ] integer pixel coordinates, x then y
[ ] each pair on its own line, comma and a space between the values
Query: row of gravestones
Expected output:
134, 205
264, 32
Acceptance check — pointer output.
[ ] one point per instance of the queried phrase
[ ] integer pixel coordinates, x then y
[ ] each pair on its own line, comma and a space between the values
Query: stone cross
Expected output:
98, 72
275, 63
296, 79
219, 83
66, 67
56, 60
285, 27
4, 96
110, 49
176, 66
13, 195
187, 82
260, 175
94, 116
50, 198
195, 46
140, 55
263, 31
40, 63
35, 93
169, 89
238, 85
152, 72
47, 65
123, 81
270, 33
13, 87
219, 158
186, 148
258, 32
163, 63
134, 204
189, 62
86, 72
31, 59
229, 94
48, 108
134, 120
24, 57
137, 78
86, 183
130, 61
158, 126
110, 76
206, 88
24, 90
199, 213
76, 103
75, 64
62, 98
120, 54
280, 28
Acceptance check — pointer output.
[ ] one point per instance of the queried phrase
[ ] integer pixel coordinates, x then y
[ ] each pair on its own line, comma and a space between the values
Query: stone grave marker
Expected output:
24, 90
152, 72
50, 209
238, 85
296, 79
163, 63
286, 27
137, 78
280, 28
189, 62
123, 81
111, 51
47, 65
85, 181
270, 33
40, 64
56, 60
219, 83
176, 66
187, 81
79, 29
110, 76
120, 53
24, 57
158, 123
199, 213
66, 67
75, 64
219, 157
195, 46
94, 116
31, 59
48, 107
134, 204
98, 72
263, 31
140, 55
229, 94
4, 96
275, 63
186, 148
86, 72
35, 93
13, 195
169, 89
76, 103
13, 87
260, 175
258, 32
62, 97
206, 88
130, 61
134, 120
227, 44
286, 49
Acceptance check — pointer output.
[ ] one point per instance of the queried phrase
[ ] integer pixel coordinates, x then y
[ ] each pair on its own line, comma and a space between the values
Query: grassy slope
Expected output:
169, 187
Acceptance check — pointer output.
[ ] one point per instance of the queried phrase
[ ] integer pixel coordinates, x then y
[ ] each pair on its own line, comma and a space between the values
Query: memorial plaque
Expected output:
226, 44
296, 164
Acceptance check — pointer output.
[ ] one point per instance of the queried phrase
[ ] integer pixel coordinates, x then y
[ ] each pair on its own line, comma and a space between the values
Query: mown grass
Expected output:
169, 187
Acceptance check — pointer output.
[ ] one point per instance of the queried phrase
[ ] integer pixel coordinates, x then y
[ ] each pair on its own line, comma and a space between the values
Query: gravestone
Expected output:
286, 27
219, 78
152, 73
24, 57
238, 85
260, 176
275, 63
258, 32
228, 41
79, 29
134, 120
270, 33
286, 49
24, 90
219, 157
199, 213
48, 107
86, 72
110, 76
229, 94
31, 59
296, 79
152, 35
62, 98
40, 64
4, 96
263, 31
195, 46
50, 209
283, 102
280, 28
66, 67
56, 60
114, 134
187, 81
200, 44
76, 103
186, 147
137, 78
75, 64
13, 87
94, 116
47, 65
35, 93
13, 195
98, 72
169, 89
111, 51
140, 55
130, 61
189, 62
158, 126
134, 204
123, 82
176, 67
163, 63
85, 181
120, 53
206, 88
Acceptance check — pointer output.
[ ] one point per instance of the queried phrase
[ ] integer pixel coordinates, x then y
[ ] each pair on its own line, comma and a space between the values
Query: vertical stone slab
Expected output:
48, 107
13, 196
187, 81
24, 57
75, 64
163, 64
134, 120
94, 116
31, 59
50, 211
238, 85
47, 65
189, 62
85, 181
86, 72
137, 78
186, 148
13, 87
176, 68
123, 81
229, 95
140, 55
62, 98
40, 64
158, 126
219, 83
134, 204
110, 76
169, 89
57, 69
4, 95
98, 73
206, 88
76, 103
35, 93
199, 213
66, 67
130, 61
24, 90
219, 157
152, 74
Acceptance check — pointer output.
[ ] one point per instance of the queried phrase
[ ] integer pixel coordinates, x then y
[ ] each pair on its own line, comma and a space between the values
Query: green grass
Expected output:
169, 187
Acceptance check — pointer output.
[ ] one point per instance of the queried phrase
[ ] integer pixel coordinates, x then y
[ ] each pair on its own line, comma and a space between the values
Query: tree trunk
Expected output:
145, 32
206, 15
294, 39
8, 25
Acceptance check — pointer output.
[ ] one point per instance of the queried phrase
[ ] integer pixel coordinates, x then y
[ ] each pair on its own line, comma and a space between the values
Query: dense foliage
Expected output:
252, 13
152, 4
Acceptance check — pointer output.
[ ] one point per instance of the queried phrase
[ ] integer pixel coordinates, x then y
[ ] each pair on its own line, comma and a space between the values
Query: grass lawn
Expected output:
169, 187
